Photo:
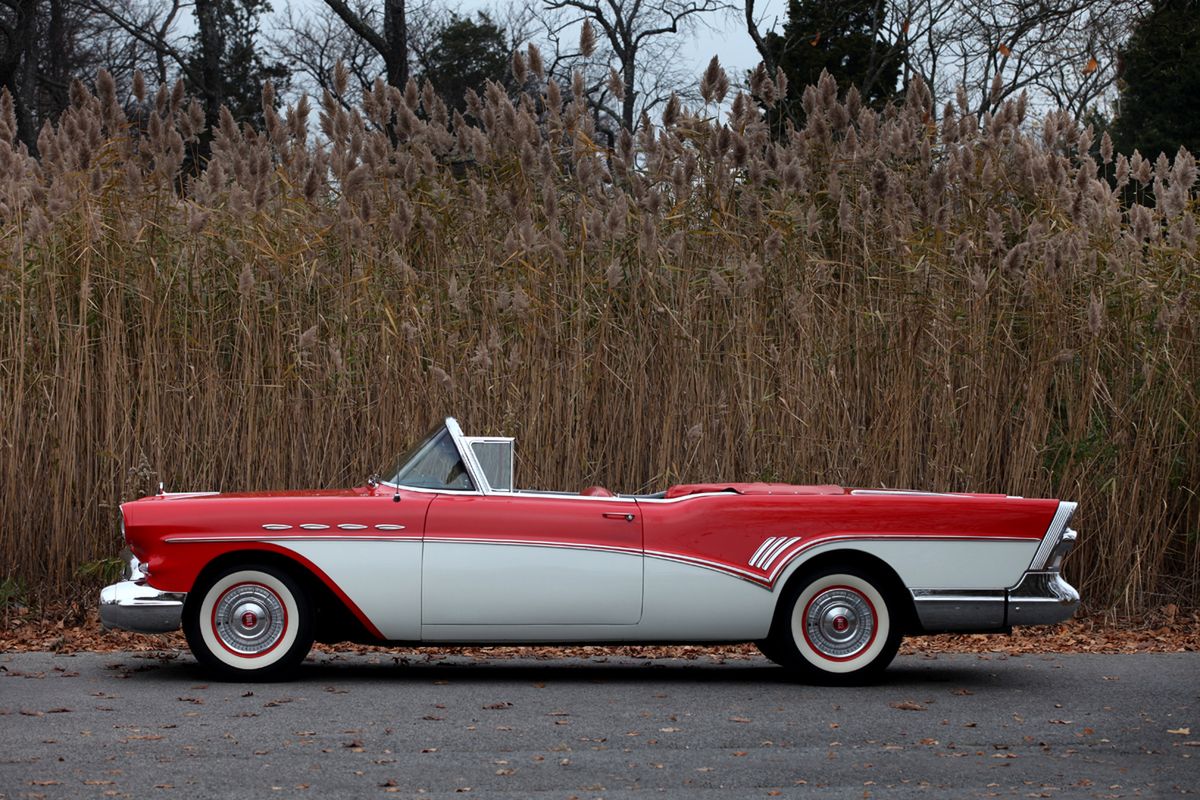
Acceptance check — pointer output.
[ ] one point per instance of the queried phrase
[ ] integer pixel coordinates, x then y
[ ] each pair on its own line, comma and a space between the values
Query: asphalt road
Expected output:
105, 725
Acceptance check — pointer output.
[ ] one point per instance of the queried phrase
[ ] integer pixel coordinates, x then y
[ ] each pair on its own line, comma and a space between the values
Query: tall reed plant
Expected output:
915, 298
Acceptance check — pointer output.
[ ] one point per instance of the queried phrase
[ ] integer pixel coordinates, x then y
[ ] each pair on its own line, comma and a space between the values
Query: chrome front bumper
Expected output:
137, 607
134, 606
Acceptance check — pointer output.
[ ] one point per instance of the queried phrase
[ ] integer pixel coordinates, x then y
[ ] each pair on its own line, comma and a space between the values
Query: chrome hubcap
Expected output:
839, 623
249, 619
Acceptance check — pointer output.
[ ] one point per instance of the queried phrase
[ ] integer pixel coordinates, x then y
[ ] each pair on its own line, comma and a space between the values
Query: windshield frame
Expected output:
474, 470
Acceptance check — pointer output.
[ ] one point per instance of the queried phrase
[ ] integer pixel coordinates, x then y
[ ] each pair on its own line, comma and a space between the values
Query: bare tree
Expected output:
125, 38
634, 31
154, 26
17, 59
388, 36
1062, 54
315, 42
44, 44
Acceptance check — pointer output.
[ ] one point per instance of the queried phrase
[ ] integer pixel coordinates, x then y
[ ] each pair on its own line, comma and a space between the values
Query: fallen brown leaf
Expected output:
907, 705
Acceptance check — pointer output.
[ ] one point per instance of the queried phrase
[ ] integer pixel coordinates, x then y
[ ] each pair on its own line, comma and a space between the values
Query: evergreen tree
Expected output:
843, 37
1159, 108
225, 54
466, 53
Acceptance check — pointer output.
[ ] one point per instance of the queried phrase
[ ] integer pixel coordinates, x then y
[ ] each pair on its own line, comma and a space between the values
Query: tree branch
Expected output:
356, 24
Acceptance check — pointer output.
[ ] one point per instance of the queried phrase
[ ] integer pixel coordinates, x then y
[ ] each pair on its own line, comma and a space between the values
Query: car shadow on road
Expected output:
347, 670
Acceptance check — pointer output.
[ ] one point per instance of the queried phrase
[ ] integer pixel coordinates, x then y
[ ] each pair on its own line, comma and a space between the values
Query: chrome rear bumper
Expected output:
137, 607
1041, 597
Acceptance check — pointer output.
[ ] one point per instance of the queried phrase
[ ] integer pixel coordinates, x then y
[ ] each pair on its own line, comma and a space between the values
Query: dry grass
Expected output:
874, 300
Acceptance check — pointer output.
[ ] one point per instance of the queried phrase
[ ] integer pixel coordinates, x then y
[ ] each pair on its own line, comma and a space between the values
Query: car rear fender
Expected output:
890, 583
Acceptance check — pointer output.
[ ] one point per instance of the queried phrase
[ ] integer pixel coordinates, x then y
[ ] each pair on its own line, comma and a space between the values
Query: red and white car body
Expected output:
444, 550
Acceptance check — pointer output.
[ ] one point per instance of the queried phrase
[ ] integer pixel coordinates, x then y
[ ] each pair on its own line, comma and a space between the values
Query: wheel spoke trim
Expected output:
249, 619
839, 623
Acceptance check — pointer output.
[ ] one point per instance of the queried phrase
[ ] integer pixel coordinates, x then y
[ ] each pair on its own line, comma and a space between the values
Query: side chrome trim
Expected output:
262, 537
351, 526
276, 526
314, 526
388, 527
870, 492
561, 545
141, 608
768, 560
959, 610
761, 549
770, 552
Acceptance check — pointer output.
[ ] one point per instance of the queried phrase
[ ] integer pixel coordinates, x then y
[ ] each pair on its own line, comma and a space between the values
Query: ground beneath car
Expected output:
360, 725
1165, 630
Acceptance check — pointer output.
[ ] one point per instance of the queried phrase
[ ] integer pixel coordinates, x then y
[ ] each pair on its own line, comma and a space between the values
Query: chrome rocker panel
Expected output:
137, 607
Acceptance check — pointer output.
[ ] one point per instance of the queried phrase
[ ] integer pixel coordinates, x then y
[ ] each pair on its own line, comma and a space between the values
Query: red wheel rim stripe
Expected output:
217, 634
861, 650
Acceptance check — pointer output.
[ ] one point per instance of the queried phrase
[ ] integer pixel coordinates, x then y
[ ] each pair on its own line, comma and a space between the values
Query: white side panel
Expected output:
382, 578
933, 564
507, 585
683, 603
687, 603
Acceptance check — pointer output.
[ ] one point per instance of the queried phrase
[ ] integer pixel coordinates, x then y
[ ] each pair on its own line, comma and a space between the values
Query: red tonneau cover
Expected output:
751, 488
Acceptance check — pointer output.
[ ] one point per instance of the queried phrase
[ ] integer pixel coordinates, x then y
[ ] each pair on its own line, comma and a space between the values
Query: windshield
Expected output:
433, 463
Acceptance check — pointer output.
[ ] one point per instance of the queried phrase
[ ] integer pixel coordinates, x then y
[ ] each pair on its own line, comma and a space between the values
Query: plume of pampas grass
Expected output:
872, 299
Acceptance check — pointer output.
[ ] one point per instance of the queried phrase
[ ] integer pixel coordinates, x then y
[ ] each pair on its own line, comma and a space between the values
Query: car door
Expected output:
523, 559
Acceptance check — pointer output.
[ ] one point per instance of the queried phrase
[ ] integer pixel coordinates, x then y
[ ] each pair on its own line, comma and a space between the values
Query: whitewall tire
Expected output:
249, 622
835, 625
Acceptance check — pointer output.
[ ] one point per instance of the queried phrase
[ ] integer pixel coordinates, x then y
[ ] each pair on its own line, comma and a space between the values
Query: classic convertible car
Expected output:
443, 549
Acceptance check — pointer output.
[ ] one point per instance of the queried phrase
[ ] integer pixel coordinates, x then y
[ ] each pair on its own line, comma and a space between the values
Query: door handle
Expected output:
618, 515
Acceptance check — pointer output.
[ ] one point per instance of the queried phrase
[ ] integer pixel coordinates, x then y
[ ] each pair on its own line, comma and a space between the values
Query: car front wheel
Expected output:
835, 625
249, 623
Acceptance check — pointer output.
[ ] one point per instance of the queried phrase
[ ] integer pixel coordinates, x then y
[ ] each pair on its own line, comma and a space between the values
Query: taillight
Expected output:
1065, 543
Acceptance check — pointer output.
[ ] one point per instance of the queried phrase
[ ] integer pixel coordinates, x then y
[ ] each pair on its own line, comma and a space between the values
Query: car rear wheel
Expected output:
835, 625
249, 622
